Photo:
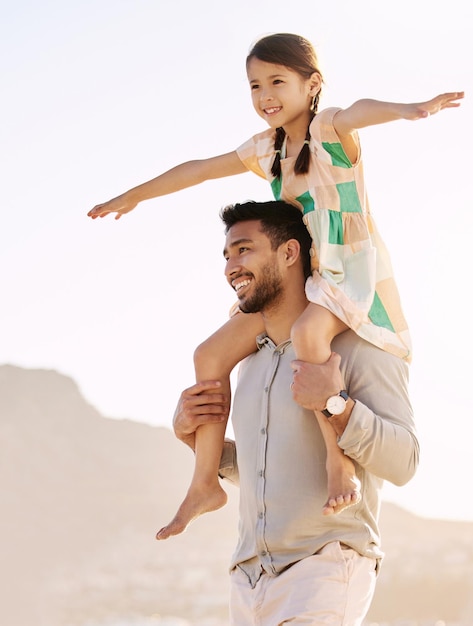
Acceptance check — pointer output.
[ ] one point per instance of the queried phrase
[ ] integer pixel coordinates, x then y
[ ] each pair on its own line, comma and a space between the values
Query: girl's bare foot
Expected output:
344, 487
197, 502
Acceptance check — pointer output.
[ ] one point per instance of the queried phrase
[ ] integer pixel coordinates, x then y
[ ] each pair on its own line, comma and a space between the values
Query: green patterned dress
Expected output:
352, 272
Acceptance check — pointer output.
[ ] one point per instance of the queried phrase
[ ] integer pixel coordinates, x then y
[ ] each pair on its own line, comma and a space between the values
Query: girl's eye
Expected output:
254, 87
277, 81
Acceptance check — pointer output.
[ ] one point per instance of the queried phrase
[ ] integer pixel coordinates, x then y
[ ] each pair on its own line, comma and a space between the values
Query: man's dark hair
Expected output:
280, 221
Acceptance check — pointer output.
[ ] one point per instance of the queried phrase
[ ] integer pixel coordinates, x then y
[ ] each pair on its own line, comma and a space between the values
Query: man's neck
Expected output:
278, 320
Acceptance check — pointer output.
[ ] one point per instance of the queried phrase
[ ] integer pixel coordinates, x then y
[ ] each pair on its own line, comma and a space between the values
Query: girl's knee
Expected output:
302, 330
211, 362
205, 353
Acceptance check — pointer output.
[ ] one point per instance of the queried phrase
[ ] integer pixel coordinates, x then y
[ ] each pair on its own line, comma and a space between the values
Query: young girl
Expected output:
311, 159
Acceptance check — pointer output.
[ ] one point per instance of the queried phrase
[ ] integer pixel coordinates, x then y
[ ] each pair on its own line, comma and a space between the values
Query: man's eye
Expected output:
242, 249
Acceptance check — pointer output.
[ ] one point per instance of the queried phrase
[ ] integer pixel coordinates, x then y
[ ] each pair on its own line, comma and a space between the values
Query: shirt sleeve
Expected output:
380, 434
324, 134
257, 154
228, 468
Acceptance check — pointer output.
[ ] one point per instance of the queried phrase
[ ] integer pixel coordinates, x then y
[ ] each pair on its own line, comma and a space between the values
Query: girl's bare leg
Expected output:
214, 360
312, 336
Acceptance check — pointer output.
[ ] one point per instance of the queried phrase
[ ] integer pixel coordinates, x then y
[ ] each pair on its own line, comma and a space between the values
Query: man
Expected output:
292, 564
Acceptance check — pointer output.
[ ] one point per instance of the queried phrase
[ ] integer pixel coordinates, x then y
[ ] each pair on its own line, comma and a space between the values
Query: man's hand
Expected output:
313, 384
199, 404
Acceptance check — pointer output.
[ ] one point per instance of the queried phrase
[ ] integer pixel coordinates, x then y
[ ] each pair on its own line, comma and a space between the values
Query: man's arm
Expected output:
196, 406
377, 429
313, 384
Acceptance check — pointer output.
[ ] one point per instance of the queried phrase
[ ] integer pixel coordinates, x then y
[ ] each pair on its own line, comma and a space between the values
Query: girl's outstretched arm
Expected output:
371, 112
179, 177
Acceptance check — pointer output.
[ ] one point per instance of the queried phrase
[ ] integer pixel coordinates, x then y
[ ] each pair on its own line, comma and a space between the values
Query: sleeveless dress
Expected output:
352, 274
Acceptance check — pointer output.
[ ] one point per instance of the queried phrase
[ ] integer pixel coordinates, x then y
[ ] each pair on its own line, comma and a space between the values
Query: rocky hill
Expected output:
82, 497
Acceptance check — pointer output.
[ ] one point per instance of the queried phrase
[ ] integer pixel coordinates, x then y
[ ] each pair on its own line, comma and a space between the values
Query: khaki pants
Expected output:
333, 587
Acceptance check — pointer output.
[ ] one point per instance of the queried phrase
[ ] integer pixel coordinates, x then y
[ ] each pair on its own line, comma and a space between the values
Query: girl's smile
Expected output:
281, 96
272, 110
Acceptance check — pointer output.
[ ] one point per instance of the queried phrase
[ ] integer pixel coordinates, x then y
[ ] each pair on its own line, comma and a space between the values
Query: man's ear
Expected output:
292, 251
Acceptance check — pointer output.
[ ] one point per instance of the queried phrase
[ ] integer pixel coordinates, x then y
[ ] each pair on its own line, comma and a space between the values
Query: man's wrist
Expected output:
336, 404
339, 422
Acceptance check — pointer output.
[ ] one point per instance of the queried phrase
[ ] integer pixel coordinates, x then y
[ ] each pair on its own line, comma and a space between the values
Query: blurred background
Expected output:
100, 96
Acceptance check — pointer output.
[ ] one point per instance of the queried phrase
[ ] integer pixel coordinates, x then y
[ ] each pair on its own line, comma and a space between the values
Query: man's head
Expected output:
264, 239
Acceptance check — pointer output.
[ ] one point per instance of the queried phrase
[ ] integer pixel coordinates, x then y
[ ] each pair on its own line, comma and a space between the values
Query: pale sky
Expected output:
101, 95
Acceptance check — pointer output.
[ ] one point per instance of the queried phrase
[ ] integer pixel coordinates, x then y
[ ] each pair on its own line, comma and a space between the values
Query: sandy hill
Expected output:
82, 497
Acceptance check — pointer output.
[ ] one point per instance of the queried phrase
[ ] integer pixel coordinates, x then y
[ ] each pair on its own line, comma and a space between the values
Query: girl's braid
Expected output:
278, 142
302, 163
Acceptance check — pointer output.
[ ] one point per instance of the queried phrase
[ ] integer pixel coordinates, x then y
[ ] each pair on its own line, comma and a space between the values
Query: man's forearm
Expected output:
387, 449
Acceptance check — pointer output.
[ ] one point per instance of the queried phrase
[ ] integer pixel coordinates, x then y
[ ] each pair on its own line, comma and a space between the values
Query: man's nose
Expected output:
232, 267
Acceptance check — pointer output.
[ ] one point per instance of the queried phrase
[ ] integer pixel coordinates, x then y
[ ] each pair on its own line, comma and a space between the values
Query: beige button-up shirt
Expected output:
278, 457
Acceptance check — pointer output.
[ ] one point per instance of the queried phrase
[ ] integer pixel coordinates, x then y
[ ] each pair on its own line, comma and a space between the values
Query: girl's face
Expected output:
281, 96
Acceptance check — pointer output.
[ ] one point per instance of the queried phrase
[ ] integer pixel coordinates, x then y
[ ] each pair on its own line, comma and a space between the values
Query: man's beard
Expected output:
267, 293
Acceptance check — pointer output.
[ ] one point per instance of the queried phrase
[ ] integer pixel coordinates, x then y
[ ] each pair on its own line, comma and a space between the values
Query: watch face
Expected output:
336, 405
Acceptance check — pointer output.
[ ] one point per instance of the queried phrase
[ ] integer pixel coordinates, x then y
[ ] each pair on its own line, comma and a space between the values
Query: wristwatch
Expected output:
336, 404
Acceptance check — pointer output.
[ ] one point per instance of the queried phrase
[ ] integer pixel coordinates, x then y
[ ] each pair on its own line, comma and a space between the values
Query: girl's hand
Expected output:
119, 205
424, 109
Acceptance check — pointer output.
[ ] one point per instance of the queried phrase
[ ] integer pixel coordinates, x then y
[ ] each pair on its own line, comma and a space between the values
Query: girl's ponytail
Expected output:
302, 163
303, 159
278, 142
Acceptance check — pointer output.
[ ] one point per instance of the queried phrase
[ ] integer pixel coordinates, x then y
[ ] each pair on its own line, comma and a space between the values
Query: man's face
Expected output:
252, 267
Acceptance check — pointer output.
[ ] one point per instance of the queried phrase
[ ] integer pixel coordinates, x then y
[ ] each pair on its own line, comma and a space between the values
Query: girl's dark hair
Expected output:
280, 222
298, 54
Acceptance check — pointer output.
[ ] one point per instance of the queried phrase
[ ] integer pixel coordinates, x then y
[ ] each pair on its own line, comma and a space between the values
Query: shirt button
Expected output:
266, 389
261, 473
263, 431
260, 515
264, 553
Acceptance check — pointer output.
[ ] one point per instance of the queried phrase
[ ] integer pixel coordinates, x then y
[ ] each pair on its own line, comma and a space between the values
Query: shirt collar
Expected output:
264, 341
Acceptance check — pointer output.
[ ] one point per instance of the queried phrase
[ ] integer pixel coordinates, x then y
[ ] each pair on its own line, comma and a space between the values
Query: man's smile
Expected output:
238, 284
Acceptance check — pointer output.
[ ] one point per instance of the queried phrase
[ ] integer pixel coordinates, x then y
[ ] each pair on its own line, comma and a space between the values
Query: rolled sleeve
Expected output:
380, 434
228, 468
